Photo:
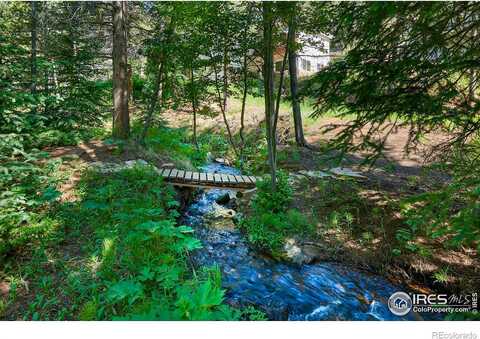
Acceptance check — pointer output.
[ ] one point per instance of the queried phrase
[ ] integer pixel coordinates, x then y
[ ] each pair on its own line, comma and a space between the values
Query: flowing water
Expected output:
324, 291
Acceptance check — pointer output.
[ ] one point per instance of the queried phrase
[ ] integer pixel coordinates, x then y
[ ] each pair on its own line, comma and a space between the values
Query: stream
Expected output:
322, 291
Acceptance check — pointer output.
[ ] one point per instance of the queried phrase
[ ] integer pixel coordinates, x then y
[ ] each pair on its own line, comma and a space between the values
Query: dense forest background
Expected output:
125, 72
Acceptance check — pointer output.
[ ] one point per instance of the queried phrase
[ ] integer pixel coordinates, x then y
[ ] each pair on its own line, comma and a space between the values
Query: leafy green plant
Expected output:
253, 314
142, 252
441, 276
88, 311
268, 231
27, 193
276, 201
272, 220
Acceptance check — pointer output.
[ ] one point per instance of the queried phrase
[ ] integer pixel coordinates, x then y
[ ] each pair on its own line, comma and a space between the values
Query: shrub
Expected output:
27, 190
268, 231
277, 201
272, 220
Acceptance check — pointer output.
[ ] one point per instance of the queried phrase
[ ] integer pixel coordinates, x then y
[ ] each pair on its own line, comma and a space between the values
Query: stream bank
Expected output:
284, 291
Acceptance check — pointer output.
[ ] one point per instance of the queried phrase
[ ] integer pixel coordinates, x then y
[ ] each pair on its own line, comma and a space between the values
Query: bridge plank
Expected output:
166, 172
196, 176
180, 174
207, 179
247, 180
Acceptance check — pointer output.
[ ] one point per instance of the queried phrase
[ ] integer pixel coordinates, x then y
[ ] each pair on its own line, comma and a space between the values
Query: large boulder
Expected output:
228, 199
220, 218
301, 253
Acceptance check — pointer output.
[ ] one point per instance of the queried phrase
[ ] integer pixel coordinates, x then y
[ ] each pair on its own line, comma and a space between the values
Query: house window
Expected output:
319, 67
306, 65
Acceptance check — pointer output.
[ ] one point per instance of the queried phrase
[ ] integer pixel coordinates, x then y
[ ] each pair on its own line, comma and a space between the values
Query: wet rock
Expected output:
232, 204
223, 199
228, 200
222, 224
220, 213
293, 252
299, 253
312, 252
222, 161
220, 217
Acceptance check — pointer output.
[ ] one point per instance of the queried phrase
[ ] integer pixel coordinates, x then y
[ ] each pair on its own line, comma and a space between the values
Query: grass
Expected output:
256, 104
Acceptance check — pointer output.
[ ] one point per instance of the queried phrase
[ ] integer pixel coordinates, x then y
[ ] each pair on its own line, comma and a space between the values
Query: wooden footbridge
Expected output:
206, 179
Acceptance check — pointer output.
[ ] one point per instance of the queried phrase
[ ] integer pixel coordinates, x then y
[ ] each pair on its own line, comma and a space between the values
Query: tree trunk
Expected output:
242, 113
159, 84
121, 120
194, 107
45, 48
472, 86
277, 103
473, 76
153, 103
292, 63
222, 102
225, 77
33, 61
268, 77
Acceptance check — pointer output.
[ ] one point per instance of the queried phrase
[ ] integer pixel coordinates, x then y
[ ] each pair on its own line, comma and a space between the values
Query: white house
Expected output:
314, 55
